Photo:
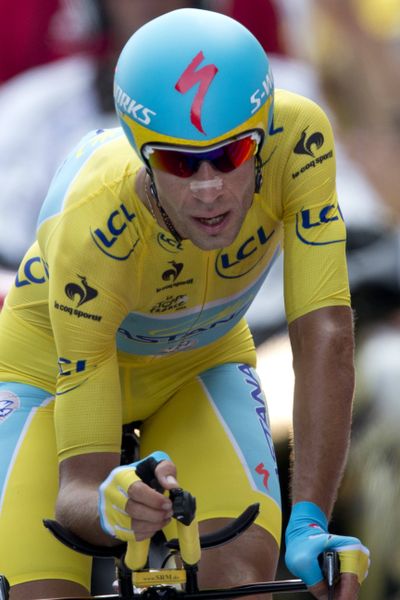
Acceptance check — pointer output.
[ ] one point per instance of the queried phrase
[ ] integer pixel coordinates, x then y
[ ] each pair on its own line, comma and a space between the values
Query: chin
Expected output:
209, 246
213, 243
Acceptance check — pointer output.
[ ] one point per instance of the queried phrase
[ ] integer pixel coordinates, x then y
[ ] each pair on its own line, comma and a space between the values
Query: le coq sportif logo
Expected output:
80, 292
172, 273
308, 144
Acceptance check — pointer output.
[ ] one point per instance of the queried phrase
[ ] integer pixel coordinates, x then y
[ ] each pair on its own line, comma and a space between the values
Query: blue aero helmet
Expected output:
193, 77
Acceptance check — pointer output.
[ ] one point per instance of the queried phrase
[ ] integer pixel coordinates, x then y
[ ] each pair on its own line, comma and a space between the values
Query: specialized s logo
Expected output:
261, 470
84, 292
189, 78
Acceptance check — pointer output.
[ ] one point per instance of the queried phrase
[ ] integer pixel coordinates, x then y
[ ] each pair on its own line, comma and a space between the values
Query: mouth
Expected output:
213, 224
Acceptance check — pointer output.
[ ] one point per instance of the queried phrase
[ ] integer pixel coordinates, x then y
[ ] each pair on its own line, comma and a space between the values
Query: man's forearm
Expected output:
323, 362
77, 510
78, 496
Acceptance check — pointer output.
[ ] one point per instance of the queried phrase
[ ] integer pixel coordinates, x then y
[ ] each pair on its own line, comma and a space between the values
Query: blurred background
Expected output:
56, 69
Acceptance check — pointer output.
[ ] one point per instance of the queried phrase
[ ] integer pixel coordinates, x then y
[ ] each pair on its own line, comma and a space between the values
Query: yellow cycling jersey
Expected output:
104, 284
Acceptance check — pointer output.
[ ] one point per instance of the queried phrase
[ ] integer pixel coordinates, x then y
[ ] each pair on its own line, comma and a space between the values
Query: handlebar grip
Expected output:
189, 542
184, 506
137, 554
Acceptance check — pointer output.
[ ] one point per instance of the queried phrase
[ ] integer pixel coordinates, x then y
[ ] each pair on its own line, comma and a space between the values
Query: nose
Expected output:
206, 185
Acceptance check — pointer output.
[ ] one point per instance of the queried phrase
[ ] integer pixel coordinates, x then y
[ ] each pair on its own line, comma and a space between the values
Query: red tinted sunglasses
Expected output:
183, 162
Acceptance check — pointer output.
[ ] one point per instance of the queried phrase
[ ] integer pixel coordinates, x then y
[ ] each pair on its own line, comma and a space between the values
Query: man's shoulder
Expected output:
109, 143
299, 155
99, 165
300, 128
291, 106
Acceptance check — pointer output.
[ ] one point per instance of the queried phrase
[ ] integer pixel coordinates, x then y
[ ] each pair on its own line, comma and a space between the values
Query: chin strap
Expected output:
258, 174
164, 215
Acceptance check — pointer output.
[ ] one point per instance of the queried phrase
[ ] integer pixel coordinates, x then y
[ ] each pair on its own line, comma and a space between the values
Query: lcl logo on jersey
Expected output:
168, 243
239, 262
320, 226
73, 366
34, 271
107, 237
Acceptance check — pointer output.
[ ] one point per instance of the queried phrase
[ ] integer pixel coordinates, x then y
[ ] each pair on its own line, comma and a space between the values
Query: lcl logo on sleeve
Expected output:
320, 226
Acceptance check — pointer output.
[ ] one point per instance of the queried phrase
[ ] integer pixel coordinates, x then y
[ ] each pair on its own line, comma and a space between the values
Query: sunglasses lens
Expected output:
184, 164
233, 155
180, 164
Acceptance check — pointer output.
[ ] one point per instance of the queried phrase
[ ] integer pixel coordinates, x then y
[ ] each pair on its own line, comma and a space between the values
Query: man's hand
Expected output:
307, 538
129, 509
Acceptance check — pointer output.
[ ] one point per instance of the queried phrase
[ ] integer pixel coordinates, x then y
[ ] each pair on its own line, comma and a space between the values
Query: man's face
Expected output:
209, 207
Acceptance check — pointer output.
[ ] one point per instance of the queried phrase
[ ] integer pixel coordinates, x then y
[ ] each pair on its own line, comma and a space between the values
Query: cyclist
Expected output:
152, 242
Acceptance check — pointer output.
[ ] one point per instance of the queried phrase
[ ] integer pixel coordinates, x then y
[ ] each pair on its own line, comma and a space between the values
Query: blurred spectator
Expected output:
358, 56
354, 46
46, 110
261, 17
36, 32
372, 482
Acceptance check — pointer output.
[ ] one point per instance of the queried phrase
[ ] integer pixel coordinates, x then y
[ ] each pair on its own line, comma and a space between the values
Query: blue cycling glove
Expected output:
307, 537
